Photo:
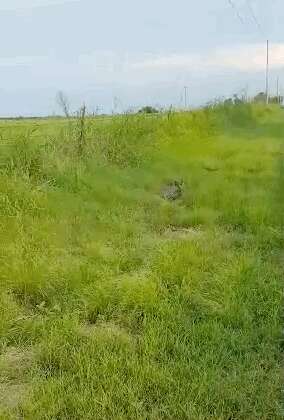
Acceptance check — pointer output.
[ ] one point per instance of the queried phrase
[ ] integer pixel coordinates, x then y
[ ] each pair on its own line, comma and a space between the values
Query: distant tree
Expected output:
63, 103
238, 100
260, 97
148, 110
234, 100
276, 99
228, 102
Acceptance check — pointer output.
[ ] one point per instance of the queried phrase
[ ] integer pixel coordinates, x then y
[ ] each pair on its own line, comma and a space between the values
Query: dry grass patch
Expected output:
14, 386
177, 233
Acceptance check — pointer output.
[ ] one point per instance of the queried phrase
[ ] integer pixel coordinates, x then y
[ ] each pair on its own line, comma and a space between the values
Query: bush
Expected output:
148, 110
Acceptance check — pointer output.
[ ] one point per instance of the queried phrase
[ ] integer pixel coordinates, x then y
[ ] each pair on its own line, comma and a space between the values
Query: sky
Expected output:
117, 55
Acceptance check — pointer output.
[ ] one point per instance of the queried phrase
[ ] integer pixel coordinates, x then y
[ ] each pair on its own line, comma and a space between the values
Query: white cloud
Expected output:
249, 58
242, 58
22, 61
7, 5
108, 68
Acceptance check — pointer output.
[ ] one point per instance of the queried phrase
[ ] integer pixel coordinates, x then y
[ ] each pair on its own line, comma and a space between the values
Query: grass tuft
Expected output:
119, 303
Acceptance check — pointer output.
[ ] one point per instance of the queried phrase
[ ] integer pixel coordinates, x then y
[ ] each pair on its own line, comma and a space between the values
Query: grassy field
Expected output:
116, 303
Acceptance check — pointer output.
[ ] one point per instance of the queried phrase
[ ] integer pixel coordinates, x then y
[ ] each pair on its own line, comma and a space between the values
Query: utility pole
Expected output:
278, 96
115, 104
267, 72
246, 93
185, 96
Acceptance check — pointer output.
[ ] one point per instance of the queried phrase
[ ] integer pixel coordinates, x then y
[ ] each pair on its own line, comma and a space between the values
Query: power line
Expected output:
253, 15
231, 2
267, 72
259, 27
234, 7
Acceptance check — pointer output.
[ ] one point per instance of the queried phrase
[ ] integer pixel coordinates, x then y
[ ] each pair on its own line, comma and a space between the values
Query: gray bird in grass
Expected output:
172, 191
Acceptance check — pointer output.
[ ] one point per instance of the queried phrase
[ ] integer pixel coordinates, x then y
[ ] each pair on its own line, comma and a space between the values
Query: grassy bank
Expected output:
116, 303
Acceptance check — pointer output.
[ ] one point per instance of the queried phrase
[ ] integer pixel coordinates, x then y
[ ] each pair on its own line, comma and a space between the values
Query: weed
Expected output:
141, 307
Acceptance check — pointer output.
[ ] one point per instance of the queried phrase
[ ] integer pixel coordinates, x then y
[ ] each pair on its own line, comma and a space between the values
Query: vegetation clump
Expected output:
126, 293
148, 110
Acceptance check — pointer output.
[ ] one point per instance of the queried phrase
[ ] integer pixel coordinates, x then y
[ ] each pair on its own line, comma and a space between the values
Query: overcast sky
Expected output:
139, 52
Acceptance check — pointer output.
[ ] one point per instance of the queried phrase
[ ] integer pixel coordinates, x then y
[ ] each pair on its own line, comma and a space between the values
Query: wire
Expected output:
234, 7
254, 17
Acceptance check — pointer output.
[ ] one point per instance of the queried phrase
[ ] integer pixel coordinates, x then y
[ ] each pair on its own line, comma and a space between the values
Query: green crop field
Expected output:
141, 271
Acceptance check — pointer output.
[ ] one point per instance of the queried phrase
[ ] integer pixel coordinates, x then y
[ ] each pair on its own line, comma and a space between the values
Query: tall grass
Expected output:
131, 306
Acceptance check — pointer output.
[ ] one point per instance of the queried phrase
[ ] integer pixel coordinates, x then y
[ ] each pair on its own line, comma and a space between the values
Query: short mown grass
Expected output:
118, 304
